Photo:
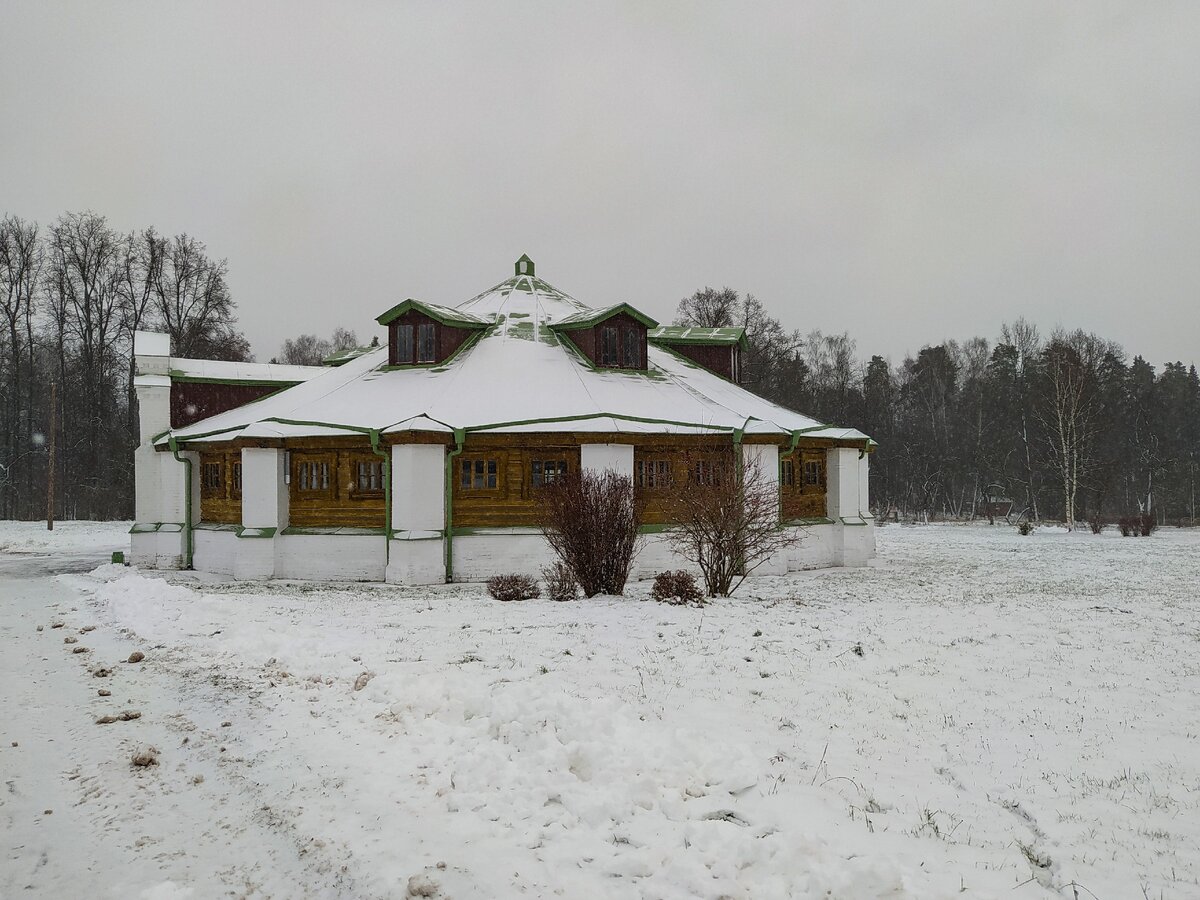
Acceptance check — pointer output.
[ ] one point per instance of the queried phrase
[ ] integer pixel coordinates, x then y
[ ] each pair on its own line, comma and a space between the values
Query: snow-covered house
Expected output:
420, 461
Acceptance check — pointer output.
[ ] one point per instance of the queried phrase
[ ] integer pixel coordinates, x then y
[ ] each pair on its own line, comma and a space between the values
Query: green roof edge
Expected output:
439, 314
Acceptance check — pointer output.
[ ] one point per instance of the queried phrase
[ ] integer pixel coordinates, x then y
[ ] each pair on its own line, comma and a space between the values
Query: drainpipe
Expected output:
387, 495
187, 503
460, 435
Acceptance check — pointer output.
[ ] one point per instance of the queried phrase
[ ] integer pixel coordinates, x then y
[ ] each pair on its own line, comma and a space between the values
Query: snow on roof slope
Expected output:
517, 376
690, 334
220, 370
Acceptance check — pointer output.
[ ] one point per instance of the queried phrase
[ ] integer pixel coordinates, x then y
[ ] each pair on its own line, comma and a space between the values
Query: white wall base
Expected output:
329, 557
477, 556
215, 551
416, 562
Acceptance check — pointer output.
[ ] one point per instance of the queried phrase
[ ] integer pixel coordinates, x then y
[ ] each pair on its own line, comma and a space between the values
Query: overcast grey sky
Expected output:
904, 171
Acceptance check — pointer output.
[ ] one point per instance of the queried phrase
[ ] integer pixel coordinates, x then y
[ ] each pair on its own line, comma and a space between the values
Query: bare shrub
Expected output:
678, 588
1127, 526
725, 519
1025, 528
560, 583
1097, 524
1147, 524
513, 587
592, 520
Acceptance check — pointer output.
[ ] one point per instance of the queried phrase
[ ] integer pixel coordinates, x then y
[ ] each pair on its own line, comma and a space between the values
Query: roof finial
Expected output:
524, 266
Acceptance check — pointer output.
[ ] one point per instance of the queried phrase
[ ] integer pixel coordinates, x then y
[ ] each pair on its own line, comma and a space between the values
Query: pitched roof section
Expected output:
687, 334
446, 315
218, 371
340, 357
588, 317
518, 375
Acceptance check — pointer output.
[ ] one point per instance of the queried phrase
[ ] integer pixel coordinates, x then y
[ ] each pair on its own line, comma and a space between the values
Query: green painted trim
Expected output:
476, 530
387, 495
145, 527
460, 437
256, 532
653, 529
818, 520
217, 526
439, 314
189, 538
333, 531
281, 383
727, 337
715, 429
433, 536
595, 317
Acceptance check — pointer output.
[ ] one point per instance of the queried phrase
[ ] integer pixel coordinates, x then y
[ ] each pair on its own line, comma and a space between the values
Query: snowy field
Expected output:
980, 715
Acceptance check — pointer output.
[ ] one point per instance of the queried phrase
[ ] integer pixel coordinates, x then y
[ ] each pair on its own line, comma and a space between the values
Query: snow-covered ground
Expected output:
982, 714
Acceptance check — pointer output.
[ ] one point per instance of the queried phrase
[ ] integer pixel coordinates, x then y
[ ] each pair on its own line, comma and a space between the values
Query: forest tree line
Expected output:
1063, 424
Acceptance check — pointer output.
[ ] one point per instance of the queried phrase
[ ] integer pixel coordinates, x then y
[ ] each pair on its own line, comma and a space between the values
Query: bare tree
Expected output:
592, 520
1071, 408
21, 261
709, 308
725, 520
194, 304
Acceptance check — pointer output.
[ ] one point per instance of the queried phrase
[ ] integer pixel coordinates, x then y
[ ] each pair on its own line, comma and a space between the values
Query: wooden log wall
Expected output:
800, 500
341, 504
221, 503
513, 502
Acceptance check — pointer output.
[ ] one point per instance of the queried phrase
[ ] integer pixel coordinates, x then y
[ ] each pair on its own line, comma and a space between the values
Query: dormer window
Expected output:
421, 334
611, 338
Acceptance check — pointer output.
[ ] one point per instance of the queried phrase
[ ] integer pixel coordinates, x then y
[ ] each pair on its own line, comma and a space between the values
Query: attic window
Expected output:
633, 348
426, 342
610, 348
404, 344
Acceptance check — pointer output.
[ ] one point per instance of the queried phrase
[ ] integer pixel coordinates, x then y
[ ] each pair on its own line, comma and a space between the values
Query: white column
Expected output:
853, 532
157, 478
763, 461
264, 511
416, 551
612, 457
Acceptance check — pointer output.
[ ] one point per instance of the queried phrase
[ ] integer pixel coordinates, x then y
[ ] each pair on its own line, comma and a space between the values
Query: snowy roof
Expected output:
688, 334
586, 318
338, 357
518, 375
447, 315
181, 369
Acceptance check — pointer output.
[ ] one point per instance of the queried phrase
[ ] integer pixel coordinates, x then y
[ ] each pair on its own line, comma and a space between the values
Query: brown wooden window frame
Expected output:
235, 477
375, 470
653, 474
406, 344
814, 473
787, 473
212, 478
475, 460
427, 343
704, 471
536, 471
301, 488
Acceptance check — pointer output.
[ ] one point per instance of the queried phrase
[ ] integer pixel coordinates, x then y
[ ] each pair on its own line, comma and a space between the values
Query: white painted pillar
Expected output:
264, 511
853, 533
151, 490
612, 457
416, 551
763, 461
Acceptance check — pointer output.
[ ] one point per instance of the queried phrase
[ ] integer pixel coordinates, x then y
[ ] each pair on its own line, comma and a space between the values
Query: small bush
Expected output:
560, 582
1097, 525
678, 588
1025, 528
1126, 526
513, 587
1147, 524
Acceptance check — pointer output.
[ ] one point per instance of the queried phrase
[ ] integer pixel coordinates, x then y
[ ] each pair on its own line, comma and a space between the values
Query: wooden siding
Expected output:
514, 500
221, 504
341, 504
717, 358
682, 458
193, 401
800, 500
